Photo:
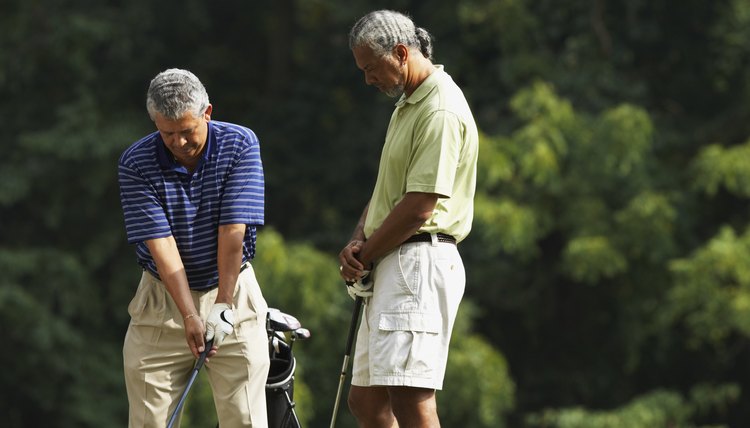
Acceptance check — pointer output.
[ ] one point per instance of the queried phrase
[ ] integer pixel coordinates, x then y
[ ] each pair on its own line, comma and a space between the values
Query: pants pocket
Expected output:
410, 268
148, 306
250, 305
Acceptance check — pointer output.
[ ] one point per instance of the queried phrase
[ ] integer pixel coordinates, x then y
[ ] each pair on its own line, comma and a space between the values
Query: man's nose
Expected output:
369, 79
179, 140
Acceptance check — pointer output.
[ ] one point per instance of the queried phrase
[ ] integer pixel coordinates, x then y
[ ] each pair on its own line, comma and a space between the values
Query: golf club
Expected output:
278, 342
280, 321
198, 364
299, 334
349, 342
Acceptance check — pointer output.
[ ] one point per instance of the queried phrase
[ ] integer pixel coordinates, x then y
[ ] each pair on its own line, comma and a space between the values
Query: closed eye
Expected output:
184, 132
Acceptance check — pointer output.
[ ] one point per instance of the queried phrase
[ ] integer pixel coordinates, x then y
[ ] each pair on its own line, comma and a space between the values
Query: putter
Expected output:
349, 342
198, 364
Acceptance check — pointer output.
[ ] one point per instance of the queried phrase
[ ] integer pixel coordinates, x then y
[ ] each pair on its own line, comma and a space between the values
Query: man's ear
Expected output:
402, 53
207, 113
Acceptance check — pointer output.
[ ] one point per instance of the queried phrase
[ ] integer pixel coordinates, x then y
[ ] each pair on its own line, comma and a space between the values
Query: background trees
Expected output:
609, 266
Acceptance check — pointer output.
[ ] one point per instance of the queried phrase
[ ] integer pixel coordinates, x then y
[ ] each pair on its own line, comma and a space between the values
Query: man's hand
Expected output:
194, 333
220, 323
361, 288
351, 268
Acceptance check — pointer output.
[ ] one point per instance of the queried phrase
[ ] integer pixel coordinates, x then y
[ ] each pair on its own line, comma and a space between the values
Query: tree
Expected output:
610, 241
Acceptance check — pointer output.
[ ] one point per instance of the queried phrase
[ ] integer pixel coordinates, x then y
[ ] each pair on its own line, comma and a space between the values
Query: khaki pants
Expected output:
158, 361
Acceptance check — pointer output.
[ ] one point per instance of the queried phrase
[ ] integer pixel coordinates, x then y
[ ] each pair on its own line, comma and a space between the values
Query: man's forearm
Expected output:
231, 237
172, 273
359, 230
404, 220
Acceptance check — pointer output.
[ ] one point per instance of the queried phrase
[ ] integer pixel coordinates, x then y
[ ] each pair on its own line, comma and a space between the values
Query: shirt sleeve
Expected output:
144, 214
435, 154
244, 191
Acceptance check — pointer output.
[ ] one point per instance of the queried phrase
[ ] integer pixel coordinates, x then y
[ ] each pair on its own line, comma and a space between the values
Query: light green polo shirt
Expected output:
431, 146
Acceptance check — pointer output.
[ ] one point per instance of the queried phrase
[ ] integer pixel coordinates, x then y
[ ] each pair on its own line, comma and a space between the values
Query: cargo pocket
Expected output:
408, 344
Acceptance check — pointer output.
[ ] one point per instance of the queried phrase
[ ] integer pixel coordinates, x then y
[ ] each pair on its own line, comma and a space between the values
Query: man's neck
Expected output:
417, 73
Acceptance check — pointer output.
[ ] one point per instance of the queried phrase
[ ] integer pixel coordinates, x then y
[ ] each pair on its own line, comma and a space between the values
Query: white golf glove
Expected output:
362, 287
220, 323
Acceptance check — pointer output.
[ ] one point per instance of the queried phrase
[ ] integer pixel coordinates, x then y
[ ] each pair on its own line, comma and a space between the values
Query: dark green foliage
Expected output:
609, 258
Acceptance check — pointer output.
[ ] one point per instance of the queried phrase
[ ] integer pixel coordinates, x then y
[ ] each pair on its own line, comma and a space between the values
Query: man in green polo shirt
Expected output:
404, 245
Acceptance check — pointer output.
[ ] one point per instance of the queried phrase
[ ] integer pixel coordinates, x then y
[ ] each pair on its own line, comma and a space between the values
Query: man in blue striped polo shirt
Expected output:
192, 194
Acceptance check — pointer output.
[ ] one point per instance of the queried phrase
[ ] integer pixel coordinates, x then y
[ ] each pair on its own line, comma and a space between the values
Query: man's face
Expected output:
383, 72
186, 136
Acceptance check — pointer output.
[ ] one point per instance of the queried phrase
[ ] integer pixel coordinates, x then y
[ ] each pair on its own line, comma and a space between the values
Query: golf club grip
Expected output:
202, 357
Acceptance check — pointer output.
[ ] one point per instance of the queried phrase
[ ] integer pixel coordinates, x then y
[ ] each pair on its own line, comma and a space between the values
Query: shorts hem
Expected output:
398, 381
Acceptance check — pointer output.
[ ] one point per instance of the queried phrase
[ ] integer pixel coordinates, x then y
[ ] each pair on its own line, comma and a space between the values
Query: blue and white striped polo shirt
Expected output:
161, 198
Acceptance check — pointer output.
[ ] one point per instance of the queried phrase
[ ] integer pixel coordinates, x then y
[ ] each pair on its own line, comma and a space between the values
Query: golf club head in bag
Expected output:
280, 321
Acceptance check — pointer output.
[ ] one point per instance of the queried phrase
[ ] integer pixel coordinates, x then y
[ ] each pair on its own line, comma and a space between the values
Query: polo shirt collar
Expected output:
423, 89
167, 161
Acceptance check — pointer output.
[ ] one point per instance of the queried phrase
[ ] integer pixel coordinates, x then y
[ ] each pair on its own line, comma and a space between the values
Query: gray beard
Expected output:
395, 91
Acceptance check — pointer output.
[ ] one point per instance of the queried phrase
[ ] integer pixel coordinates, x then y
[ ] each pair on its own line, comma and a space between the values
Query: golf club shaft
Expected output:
193, 375
349, 343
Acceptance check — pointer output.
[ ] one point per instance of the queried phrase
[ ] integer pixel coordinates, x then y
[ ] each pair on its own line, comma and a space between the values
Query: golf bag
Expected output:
280, 382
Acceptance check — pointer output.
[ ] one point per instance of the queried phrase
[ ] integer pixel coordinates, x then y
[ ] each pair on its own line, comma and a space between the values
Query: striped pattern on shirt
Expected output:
160, 198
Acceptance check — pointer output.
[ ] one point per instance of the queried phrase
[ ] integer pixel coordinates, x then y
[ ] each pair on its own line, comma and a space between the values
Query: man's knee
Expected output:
370, 404
357, 401
414, 406
353, 402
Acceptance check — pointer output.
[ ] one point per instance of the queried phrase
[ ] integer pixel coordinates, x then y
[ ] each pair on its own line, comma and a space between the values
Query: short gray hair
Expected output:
174, 92
382, 30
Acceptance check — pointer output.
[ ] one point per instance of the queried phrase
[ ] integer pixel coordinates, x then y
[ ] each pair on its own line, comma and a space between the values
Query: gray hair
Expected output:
174, 92
382, 30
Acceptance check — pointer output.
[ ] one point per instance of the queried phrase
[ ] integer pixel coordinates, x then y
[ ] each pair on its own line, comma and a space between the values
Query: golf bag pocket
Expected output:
405, 346
280, 390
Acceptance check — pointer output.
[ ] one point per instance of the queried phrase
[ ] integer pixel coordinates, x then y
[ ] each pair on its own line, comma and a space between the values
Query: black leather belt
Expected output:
427, 237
